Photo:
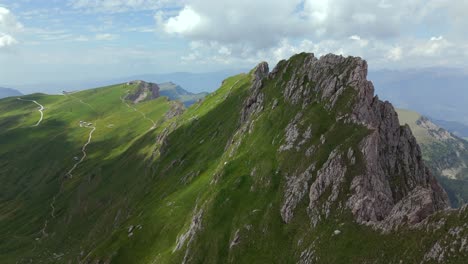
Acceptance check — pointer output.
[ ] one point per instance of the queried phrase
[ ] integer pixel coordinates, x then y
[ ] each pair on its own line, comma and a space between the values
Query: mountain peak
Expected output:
143, 91
394, 174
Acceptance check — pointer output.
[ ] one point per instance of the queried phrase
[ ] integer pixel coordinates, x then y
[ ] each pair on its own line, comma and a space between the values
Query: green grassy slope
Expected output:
202, 187
446, 155
219, 182
34, 162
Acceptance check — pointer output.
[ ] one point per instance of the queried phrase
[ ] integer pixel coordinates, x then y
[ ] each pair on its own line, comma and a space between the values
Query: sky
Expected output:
66, 40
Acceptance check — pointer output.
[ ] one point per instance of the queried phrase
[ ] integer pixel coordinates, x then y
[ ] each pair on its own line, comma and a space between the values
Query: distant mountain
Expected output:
445, 153
192, 82
7, 92
176, 92
441, 93
456, 128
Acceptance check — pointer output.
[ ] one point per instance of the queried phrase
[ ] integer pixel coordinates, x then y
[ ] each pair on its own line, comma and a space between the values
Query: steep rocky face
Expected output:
395, 186
254, 102
444, 153
145, 91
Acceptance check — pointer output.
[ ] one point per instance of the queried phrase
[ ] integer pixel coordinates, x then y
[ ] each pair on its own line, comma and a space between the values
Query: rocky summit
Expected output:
300, 164
144, 91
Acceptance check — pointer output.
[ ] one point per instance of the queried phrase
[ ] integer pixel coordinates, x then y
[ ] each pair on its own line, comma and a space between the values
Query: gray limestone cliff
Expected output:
395, 187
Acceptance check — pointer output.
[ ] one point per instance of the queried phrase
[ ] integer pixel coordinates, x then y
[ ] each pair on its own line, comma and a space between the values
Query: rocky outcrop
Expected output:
329, 179
295, 190
144, 91
254, 103
177, 108
187, 237
395, 186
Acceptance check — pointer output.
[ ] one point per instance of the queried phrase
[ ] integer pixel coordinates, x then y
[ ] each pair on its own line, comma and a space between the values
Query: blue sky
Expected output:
44, 40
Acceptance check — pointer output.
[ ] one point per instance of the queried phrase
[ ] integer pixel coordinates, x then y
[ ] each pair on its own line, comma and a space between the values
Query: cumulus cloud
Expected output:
7, 41
185, 22
382, 31
8, 26
256, 20
8, 22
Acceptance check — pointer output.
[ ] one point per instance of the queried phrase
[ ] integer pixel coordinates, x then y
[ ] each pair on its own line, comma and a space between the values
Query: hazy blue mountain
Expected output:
176, 92
192, 82
456, 128
7, 92
440, 93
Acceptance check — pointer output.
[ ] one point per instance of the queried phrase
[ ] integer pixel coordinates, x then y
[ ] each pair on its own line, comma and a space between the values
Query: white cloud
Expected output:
384, 32
106, 37
186, 21
358, 39
435, 46
8, 22
8, 26
395, 54
7, 41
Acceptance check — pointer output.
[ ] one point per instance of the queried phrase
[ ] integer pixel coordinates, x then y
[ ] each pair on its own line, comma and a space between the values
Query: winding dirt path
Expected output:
83, 150
136, 110
41, 110
69, 173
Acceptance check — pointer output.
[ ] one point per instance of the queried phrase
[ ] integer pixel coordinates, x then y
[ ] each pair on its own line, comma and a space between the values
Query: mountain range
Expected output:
440, 93
192, 82
7, 92
428, 91
298, 164
176, 92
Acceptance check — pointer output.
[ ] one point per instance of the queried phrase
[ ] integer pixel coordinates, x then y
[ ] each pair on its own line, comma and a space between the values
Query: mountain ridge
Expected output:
427, 91
8, 92
301, 164
369, 111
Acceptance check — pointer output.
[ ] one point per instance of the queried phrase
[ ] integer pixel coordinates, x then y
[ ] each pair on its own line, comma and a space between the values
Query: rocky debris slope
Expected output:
144, 91
395, 187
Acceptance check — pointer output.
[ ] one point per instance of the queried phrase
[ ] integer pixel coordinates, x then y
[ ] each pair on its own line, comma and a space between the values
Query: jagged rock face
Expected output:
396, 186
177, 108
254, 103
330, 177
145, 91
